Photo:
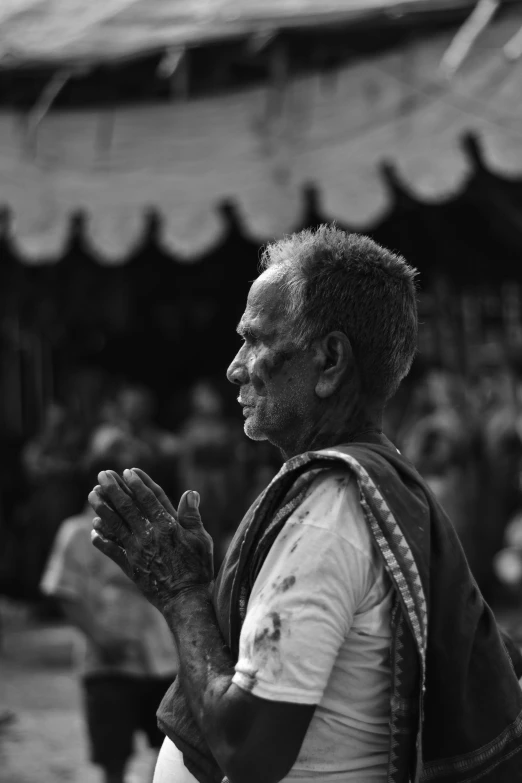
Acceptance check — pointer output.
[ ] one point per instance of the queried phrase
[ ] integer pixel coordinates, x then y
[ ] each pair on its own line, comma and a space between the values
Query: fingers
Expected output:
112, 524
158, 491
188, 511
146, 499
109, 548
122, 502
121, 482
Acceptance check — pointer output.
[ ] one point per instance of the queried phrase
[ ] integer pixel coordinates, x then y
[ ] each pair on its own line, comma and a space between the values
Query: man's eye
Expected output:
249, 338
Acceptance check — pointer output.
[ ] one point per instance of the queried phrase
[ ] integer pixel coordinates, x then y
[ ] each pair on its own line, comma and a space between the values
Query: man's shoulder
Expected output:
333, 503
335, 480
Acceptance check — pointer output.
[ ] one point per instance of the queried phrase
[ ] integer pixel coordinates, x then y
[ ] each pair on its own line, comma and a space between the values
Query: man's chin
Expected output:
253, 431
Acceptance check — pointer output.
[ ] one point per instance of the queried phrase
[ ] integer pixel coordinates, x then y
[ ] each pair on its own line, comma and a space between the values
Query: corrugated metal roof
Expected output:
57, 31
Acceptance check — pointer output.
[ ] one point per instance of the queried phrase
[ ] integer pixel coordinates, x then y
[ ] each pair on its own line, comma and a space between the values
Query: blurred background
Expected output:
148, 149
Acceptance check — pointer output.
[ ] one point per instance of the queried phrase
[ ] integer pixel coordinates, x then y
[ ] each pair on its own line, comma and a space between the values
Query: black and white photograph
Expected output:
261, 391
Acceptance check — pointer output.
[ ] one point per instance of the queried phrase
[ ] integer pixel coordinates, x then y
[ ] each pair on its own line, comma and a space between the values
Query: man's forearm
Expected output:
206, 669
206, 664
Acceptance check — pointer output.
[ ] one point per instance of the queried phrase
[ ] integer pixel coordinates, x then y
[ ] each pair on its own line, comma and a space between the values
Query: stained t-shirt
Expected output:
317, 631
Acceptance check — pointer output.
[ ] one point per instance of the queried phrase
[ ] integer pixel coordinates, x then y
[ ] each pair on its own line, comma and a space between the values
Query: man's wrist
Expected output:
190, 595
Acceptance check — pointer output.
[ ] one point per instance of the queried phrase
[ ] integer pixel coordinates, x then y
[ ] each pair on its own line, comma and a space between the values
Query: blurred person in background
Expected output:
441, 439
129, 656
130, 412
500, 416
52, 462
507, 564
208, 463
344, 638
136, 408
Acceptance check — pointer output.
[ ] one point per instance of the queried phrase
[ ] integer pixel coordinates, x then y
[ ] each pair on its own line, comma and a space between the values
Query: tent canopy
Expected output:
60, 31
261, 146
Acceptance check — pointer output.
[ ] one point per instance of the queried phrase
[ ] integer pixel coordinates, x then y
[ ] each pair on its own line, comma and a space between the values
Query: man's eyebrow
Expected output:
247, 330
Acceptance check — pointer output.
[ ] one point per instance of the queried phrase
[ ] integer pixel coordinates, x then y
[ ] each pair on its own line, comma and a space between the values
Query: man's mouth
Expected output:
247, 407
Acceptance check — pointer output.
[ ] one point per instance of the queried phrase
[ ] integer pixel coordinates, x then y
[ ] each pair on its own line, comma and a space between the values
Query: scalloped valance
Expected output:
260, 146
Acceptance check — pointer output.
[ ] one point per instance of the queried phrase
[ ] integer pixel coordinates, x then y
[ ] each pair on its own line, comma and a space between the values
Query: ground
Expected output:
44, 742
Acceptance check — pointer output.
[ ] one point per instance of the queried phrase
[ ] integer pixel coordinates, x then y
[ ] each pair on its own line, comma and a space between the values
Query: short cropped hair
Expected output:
333, 281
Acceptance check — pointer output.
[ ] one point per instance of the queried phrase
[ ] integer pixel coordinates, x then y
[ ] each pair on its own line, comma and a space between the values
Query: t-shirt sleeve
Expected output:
67, 570
303, 602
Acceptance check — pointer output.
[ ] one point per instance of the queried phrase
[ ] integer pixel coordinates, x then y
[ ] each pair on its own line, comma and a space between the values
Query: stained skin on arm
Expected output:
237, 725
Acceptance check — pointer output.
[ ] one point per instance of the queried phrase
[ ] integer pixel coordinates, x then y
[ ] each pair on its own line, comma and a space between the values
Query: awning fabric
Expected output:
260, 146
59, 31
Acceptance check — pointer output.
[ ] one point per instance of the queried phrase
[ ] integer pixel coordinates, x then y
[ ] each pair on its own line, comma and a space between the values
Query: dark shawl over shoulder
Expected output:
456, 704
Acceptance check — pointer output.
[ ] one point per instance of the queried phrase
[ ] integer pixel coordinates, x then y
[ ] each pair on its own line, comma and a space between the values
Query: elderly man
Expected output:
344, 638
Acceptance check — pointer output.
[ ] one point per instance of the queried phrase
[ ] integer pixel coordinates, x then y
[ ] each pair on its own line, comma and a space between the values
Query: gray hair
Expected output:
347, 282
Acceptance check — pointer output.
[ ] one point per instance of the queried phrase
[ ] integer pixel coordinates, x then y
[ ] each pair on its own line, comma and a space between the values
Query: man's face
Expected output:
277, 380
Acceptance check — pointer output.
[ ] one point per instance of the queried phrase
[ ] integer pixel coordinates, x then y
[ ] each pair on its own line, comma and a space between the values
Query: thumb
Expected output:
188, 510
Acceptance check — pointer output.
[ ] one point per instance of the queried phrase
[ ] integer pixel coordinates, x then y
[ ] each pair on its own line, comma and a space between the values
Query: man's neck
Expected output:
332, 431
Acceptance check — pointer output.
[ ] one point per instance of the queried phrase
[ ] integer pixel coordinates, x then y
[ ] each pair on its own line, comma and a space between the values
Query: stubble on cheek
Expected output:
282, 407
269, 412
284, 388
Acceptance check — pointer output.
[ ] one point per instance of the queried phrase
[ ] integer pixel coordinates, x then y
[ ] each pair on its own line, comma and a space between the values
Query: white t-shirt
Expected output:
317, 631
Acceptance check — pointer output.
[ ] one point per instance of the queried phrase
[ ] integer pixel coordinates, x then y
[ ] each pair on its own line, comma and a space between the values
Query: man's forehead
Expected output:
265, 300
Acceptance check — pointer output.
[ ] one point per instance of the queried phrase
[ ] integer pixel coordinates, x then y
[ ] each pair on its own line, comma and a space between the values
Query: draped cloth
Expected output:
456, 704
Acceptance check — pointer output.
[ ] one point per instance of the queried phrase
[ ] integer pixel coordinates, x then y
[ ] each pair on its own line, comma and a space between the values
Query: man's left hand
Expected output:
163, 551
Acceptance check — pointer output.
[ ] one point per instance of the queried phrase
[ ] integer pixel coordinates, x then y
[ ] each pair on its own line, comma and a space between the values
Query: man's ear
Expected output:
335, 358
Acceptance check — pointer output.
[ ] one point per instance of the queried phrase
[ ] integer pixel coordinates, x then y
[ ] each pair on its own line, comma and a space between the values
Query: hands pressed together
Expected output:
164, 551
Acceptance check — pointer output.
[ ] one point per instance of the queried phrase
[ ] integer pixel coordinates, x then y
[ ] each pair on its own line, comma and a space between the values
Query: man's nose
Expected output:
237, 372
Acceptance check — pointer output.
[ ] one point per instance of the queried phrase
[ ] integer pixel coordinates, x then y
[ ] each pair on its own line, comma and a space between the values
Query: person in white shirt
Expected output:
126, 658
